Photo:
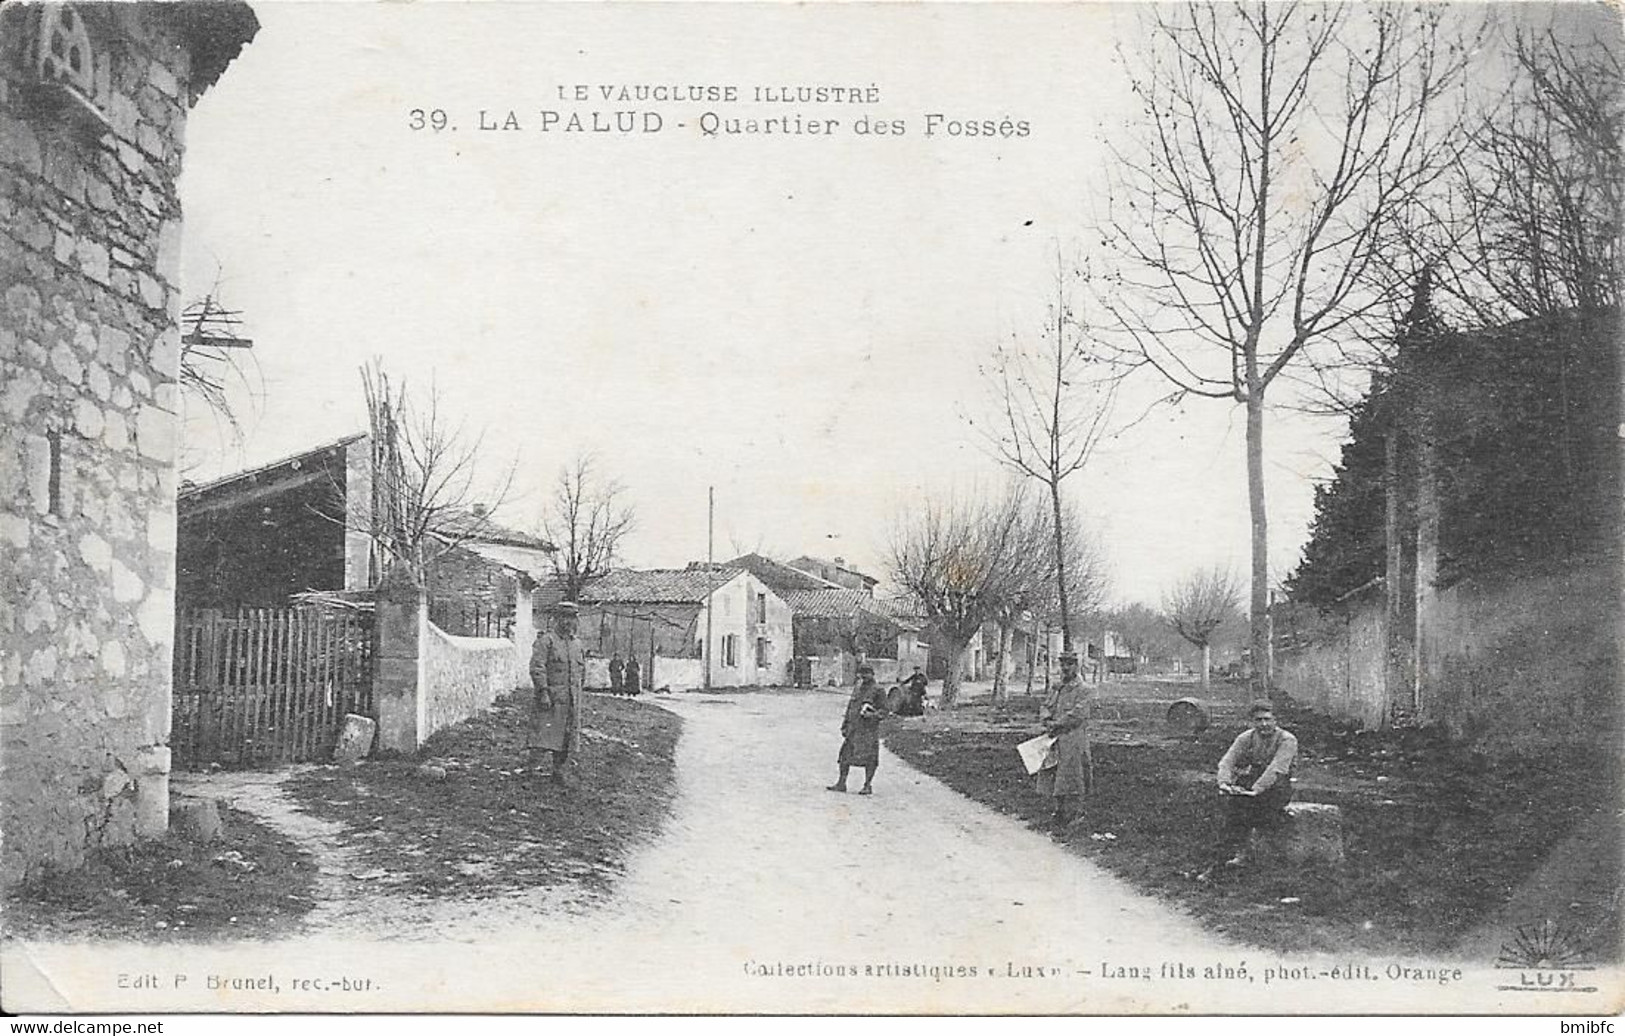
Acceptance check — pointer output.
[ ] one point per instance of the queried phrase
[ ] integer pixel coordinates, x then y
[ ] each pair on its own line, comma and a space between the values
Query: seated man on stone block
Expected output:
1255, 780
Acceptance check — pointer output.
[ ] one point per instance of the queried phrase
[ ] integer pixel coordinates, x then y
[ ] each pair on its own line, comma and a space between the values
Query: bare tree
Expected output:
1286, 144
1199, 605
1052, 400
1541, 183
427, 495
586, 519
966, 563
1040, 603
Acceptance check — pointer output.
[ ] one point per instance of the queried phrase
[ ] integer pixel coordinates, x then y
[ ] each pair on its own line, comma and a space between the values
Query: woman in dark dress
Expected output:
860, 731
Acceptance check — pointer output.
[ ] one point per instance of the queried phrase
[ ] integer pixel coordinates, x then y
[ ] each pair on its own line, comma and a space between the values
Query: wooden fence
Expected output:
268, 686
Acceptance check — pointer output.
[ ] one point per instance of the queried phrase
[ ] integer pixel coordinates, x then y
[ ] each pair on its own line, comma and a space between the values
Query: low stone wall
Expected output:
1341, 674
678, 674
828, 671
461, 676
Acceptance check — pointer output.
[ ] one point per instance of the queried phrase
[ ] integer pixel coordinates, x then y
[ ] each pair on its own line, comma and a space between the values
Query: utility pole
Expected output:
710, 573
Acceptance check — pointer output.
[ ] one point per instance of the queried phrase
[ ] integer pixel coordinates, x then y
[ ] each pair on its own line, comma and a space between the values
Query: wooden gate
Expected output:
267, 686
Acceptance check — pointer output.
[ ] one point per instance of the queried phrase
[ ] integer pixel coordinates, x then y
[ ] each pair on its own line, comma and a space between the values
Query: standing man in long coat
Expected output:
1065, 715
860, 731
558, 669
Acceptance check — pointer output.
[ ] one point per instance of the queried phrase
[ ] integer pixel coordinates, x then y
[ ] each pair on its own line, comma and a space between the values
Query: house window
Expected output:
761, 652
730, 649
761, 607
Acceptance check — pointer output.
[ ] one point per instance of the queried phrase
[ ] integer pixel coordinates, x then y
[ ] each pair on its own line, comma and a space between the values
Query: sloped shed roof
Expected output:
647, 586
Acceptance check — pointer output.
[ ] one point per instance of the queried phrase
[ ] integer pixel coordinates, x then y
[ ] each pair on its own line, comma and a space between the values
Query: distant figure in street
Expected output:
1255, 780
913, 699
558, 668
617, 669
1065, 714
860, 731
634, 676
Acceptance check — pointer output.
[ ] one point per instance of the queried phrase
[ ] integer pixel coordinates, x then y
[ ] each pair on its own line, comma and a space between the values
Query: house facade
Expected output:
94, 100
659, 617
838, 625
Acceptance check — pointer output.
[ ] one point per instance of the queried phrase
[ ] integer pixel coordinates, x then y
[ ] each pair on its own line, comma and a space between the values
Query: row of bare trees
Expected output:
990, 560
1298, 170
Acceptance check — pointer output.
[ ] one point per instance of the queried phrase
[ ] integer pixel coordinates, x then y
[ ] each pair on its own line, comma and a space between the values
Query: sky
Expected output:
796, 320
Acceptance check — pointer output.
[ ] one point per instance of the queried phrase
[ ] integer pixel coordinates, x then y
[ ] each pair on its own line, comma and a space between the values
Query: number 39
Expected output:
433, 118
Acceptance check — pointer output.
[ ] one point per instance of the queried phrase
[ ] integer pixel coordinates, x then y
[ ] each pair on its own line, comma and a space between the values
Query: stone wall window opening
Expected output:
65, 55
67, 69
53, 482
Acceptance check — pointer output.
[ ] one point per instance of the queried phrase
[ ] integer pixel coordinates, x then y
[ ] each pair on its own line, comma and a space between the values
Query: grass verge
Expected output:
464, 818
252, 884
1436, 837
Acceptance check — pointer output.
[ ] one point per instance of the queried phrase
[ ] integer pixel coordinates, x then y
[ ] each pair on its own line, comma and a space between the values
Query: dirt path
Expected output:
765, 893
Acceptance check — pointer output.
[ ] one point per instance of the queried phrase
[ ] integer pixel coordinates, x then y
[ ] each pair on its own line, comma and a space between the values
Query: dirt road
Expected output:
766, 893
766, 889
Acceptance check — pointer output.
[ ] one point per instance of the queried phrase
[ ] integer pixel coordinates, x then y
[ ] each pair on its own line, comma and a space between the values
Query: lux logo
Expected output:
1547, 979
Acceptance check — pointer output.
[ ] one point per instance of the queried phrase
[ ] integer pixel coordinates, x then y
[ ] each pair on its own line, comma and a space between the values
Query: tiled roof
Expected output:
480, 528
808, 562
778, 577
844, 603
647, 586
532, 562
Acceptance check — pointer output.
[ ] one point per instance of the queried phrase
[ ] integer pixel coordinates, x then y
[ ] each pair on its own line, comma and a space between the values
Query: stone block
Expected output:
97, 380
127, 586
1313, 833
151, 141
115, 347
20, 391
116, 431
355, 740
155, 433
87, 419
165, 357
68, 366
19, 145
116, 783
152, 292
96, 552
196, 818
95, 261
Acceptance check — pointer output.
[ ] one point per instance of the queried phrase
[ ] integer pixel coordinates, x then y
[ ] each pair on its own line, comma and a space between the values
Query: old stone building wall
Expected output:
90, 229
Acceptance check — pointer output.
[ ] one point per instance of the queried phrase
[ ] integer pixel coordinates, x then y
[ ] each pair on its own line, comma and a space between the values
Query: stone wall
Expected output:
425, 679
463, 675
1514, 664
1338, 670
90, 229
1528, 664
